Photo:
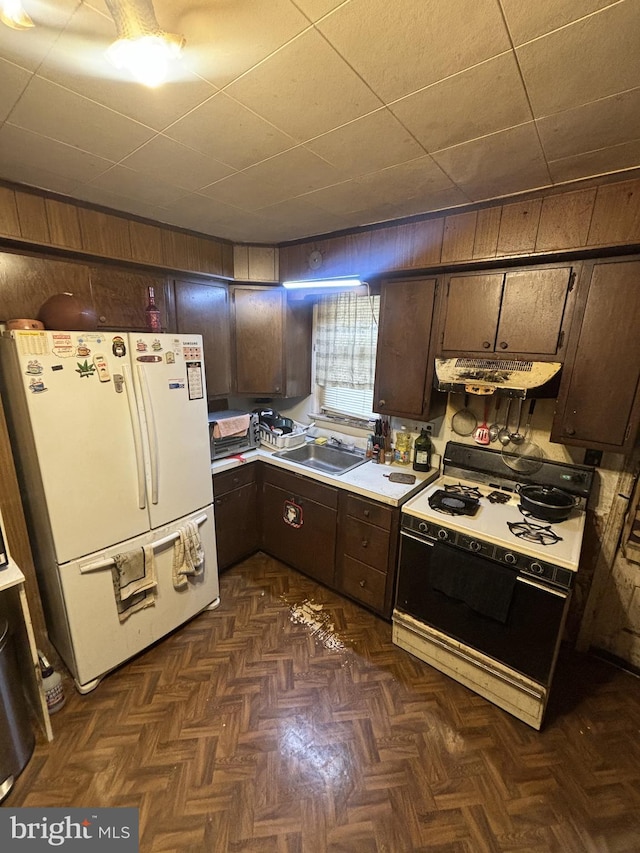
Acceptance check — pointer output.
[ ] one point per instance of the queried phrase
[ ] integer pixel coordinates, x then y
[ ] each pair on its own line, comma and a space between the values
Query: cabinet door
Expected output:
307, 540
532, 310
473, 308
203, 309
120, 297
259, 340
404, 364
27, 282
237, 530
599, 399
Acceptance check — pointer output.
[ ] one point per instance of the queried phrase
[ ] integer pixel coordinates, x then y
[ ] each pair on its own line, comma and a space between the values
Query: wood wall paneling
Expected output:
241, 263
32, 214
519, 227
9, 222
485, 244
458, 237
64, 224
104, 234
146, 243
616, 214
565, 220
262, 263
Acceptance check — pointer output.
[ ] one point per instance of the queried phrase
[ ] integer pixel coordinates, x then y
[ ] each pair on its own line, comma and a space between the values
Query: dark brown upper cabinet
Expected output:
599, 399
405, 353
520, 312
120, 297
272, 342
202, 308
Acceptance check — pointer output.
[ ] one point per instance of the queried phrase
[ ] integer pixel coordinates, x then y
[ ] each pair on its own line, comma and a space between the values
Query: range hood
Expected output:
493, 376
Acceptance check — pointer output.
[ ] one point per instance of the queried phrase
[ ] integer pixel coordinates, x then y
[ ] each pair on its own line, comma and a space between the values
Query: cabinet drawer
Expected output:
226, 481
363, 583
301, 486
367, 544
369, 511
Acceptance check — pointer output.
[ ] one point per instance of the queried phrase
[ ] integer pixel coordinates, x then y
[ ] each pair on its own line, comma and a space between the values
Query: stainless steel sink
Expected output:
323, 457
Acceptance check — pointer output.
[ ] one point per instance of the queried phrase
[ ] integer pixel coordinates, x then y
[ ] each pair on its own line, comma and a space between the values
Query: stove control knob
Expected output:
443, 534
423, 527
537, 568
510, 558
474, 546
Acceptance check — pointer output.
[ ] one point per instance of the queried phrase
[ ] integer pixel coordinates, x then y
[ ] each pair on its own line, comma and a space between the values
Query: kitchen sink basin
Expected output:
322, 457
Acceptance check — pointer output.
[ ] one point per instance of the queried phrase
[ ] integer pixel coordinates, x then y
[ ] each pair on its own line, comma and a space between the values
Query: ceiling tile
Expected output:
501, 164
601, 124
27, 48
306, 215
529, 20
117, 202
379, 40
53, 111
224, 39
246, 192
14, 81
606, 160
33, 176
78, 62
484, 99
197, 212
188, 168
414, 180
593, 58
435, 201
373, 142
23, 148
130, 184
341, 199
224, 129
305, 89
299, 170
316, 9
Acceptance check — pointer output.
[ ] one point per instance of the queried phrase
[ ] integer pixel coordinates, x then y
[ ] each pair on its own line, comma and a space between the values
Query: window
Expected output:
346, 335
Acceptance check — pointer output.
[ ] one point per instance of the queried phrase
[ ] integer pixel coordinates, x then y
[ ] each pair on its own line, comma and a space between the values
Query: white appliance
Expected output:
484, 586
111, 439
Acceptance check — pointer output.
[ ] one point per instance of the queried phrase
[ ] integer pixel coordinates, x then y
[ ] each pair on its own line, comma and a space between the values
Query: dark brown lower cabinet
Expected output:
236, 514
367, 551
299, 521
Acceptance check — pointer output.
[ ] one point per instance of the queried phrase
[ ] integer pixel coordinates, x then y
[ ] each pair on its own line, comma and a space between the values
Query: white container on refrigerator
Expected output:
111, 434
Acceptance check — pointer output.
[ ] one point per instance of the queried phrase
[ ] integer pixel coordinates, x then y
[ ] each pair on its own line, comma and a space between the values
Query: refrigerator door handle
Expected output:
151, 432
107, 562
137, 435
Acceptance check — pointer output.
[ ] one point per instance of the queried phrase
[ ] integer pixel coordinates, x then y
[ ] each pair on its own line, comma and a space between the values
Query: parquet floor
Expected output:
269, 725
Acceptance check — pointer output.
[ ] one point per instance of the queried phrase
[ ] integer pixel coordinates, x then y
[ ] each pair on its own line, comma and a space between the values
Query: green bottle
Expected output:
422, 451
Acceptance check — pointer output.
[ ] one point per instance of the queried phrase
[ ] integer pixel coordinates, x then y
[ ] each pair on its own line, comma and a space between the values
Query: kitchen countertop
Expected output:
367, 480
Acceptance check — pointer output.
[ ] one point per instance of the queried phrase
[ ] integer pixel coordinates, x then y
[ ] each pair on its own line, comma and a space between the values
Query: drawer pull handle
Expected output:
366, 513
363, 584
365, 542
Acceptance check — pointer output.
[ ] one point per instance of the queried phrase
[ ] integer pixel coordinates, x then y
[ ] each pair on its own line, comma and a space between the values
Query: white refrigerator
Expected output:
111, 440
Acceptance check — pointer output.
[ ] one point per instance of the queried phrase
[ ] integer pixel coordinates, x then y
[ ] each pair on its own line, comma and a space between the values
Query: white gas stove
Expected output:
484, 587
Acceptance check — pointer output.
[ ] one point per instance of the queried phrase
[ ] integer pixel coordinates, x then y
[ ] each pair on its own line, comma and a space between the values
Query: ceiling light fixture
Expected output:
13, 15
318, 283
142, 47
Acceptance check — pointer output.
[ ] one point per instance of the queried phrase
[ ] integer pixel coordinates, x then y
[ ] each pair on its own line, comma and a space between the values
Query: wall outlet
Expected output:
592, 457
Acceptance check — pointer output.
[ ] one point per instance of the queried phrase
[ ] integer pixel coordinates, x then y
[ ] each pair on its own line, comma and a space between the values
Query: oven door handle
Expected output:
530, 582
429, 542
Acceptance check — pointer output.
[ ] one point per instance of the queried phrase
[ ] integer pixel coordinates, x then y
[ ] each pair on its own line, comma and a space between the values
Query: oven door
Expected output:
485, 605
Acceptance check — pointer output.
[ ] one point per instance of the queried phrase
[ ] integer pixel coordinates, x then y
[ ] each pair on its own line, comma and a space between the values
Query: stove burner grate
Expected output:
541, 534
499, 497
461, 489
453, 503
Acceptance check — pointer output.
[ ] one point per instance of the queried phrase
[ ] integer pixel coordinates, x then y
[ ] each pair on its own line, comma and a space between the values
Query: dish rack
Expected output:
283, 442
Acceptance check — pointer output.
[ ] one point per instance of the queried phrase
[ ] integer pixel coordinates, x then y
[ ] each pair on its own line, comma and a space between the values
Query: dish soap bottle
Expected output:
422, 452
152, 313
403, 446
